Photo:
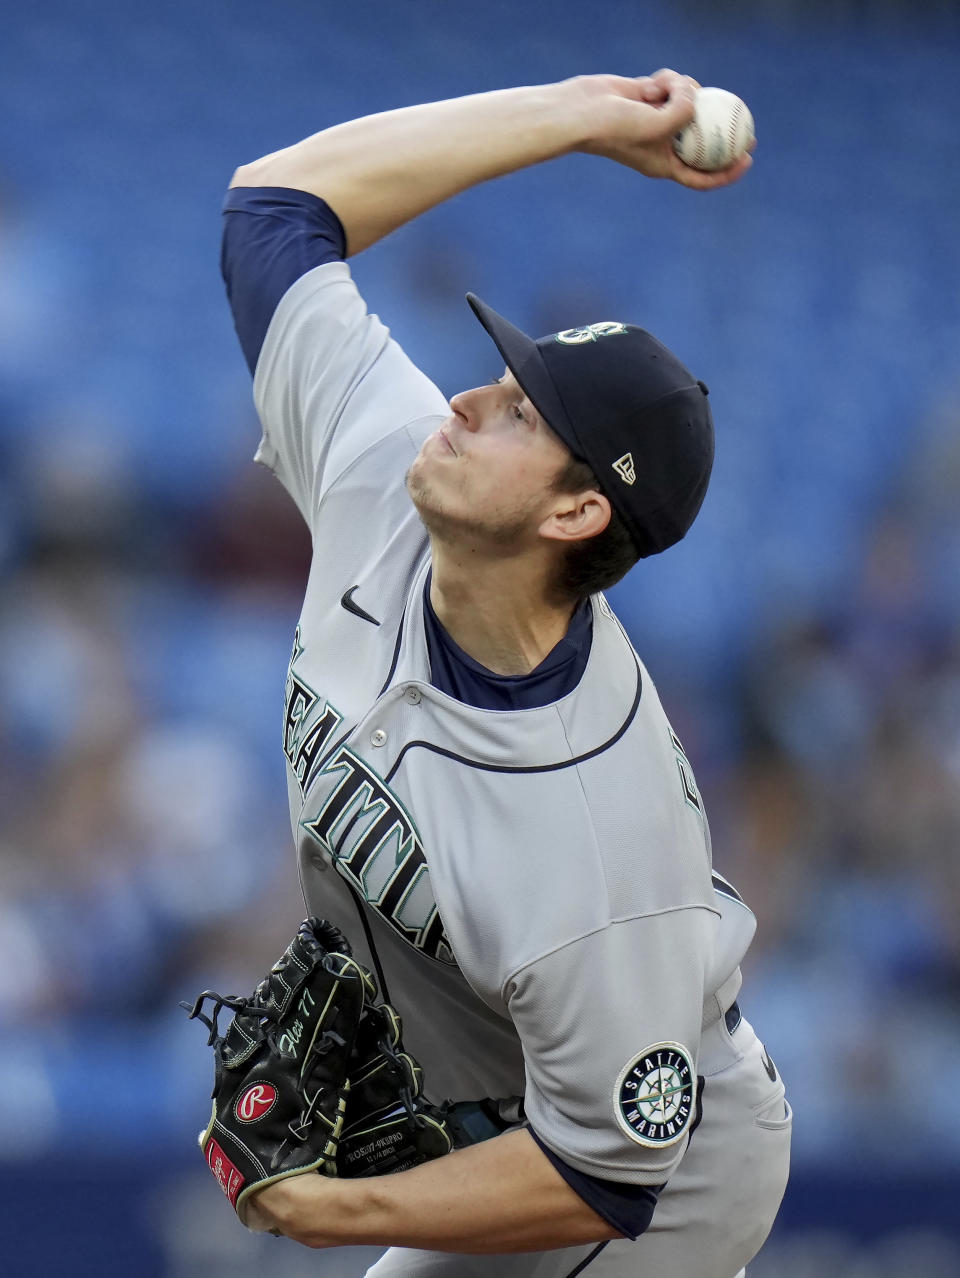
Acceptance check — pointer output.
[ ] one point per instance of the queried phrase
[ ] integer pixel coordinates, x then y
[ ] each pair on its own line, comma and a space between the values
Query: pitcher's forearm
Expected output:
500, 1196
381, 171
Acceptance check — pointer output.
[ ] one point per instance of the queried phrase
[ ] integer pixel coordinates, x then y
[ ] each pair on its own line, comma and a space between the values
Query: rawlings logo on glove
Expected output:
256, 1102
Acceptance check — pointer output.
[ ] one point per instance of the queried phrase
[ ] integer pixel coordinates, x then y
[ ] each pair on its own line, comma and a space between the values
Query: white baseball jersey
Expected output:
538, 883
534, 884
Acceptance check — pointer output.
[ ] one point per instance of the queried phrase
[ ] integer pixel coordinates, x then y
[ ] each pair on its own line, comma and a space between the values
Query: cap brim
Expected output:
522, 356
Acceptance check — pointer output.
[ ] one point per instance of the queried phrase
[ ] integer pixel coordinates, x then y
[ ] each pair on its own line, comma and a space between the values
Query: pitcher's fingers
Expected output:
698, 180
670, 79
678, 109
650, 91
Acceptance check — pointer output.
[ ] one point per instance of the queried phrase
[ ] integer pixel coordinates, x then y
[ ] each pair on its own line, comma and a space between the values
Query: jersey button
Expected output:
413, 695
378, 737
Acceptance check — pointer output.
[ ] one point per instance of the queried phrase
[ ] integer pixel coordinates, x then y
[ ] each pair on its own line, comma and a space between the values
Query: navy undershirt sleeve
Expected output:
628, 1208
271, 236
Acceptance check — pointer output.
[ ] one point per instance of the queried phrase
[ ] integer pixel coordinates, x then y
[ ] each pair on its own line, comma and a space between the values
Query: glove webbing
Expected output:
251, 1007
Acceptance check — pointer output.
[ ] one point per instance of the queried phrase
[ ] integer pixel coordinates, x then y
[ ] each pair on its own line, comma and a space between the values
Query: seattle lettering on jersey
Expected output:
352, 813
303, 741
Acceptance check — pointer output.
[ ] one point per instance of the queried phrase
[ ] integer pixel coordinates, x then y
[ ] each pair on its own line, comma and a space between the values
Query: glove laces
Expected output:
252, 1008
408, 1088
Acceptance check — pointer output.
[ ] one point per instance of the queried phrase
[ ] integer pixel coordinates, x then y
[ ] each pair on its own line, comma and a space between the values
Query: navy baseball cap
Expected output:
623, 403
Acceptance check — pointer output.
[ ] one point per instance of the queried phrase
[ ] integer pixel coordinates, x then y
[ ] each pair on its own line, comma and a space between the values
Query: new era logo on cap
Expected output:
624, 468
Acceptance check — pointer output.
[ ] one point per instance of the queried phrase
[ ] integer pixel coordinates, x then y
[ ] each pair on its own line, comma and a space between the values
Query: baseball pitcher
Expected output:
485, 792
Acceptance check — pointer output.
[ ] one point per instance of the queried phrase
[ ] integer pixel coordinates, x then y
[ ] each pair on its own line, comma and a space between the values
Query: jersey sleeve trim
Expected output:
628, 1208
272, 235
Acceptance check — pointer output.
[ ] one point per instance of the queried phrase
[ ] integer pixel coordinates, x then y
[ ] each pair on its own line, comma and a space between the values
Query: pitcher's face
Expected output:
488, 473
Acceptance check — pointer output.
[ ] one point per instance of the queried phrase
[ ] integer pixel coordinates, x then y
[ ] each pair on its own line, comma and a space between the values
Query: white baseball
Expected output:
718, 134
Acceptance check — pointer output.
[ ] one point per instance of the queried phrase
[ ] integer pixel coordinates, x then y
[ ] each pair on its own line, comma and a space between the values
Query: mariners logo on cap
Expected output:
590, 333
654, 1095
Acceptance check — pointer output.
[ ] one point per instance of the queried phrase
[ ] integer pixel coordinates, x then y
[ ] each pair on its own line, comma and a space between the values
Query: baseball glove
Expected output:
280, 1083
311, 1076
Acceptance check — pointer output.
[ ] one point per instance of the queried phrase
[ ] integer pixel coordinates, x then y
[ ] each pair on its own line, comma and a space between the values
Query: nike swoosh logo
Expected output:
769, 1066
346, 601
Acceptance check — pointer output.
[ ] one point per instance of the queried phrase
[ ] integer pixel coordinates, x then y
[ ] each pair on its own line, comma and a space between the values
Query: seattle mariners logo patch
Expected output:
654, 1095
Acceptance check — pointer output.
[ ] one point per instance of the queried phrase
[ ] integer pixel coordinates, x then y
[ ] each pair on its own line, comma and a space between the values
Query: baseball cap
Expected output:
623, 403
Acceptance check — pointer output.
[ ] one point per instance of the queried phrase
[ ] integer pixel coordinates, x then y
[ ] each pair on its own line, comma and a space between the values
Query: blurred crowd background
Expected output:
805, 638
